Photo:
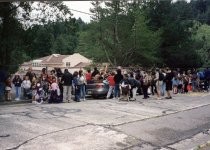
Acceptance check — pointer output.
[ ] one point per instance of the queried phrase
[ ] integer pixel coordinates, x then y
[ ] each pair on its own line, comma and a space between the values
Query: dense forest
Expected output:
127, 33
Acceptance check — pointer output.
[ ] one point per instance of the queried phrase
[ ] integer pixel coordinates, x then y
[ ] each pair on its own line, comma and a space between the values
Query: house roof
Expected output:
82, 64
58, 59
53, 59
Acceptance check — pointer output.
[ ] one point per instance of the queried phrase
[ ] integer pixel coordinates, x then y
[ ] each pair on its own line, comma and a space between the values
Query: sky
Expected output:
83, 6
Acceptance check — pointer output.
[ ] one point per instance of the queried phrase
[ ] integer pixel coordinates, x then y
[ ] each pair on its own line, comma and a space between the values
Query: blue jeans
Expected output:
163, 89
111, 89
17, 92
117, 90
82, 91
194, 85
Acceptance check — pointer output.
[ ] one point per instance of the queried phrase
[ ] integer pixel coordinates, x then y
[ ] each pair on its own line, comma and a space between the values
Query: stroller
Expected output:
125, 91
55, 96
40, 94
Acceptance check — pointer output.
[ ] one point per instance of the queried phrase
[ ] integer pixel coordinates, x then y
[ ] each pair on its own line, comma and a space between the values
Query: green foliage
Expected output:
146, 33
202, 39
17, 43
147, 43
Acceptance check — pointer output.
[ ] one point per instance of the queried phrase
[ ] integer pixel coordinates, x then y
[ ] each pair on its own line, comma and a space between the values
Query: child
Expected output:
55, 92
26, 84
8, 88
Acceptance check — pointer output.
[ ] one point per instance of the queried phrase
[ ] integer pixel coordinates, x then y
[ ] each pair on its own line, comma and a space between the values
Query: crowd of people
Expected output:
57, 86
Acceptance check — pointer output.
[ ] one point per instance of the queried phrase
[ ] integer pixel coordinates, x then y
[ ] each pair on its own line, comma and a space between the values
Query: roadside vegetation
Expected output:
126, 33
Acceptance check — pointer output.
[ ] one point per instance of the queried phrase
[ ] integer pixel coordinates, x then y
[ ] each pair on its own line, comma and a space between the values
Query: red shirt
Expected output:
110, 79
88, 76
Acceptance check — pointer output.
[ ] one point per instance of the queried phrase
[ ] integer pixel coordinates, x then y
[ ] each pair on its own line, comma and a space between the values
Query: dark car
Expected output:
97, 89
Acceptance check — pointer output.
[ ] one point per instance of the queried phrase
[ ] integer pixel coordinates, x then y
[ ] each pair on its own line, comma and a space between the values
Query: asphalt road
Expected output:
181, 123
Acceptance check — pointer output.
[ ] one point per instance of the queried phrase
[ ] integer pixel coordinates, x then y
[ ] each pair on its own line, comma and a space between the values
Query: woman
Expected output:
82, 82
17, 81
145, 85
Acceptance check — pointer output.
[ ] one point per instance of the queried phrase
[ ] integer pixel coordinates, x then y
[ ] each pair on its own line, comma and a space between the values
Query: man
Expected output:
134, 84
117, 79
67, 85
30, 74
168, 81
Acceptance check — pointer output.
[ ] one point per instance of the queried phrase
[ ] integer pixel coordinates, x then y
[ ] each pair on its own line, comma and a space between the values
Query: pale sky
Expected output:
83, 6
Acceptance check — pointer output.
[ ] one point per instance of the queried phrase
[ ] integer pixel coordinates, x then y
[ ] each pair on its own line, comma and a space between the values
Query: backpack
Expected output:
133, 83
161, 76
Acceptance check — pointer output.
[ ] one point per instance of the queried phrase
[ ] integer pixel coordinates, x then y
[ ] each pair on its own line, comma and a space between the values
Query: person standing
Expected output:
145, 85
168, 80
158, 79
30, 74
117, 79
163, 86
26, 84
207, 78
88, 76
67, 85
76, 86
111, 82
82, 82
17, 81
134, 85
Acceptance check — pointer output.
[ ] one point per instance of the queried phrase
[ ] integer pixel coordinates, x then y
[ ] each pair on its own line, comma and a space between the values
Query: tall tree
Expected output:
175, 21
14, 17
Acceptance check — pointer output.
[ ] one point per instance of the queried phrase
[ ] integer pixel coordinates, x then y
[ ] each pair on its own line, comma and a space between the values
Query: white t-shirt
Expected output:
26, 84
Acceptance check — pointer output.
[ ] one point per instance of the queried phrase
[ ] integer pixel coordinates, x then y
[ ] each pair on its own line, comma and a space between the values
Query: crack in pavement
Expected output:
162, 115
31, 139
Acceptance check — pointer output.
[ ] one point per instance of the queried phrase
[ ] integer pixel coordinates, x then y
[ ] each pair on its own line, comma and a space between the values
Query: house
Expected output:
71, 62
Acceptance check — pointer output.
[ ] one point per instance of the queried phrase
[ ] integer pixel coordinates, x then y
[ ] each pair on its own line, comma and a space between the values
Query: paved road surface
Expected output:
181, 123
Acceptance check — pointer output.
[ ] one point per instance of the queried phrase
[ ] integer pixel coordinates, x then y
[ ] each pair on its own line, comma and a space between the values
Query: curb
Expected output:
14, 102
